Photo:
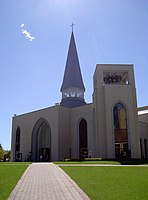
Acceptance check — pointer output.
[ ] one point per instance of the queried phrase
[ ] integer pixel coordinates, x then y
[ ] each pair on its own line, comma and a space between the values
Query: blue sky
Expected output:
32, 66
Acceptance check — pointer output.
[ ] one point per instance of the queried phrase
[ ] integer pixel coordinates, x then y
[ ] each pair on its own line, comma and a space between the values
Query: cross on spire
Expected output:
72, 25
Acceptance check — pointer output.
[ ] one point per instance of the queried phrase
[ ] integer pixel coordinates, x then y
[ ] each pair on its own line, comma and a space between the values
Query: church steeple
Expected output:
72, 87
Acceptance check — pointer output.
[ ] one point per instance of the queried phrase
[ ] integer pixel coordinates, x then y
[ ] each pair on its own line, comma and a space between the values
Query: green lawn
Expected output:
10, 173
113, 162
111, 183
87, 162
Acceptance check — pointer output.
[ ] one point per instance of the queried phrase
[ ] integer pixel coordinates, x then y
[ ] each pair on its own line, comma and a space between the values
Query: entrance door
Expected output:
45, 154
44, 143
41, 141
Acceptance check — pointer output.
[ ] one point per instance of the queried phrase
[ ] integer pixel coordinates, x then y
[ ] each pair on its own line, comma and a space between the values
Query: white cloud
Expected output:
27, 34
22, 25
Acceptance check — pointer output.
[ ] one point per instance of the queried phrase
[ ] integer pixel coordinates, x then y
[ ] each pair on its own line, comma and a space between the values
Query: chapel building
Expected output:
109, 127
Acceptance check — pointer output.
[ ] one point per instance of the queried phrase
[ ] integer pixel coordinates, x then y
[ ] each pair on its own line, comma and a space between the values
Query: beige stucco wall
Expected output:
77, 114
26, 122
64, 133
105, 97
63, 123
100, 126
143, 130
125, 96
143, 118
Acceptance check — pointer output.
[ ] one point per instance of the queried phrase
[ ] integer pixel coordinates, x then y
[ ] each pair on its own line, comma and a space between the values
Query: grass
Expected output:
111, 183
10, 173
113, 162
88, 162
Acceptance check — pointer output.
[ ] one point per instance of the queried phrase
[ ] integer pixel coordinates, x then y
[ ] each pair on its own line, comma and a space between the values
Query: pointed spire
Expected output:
72, 75
72, 87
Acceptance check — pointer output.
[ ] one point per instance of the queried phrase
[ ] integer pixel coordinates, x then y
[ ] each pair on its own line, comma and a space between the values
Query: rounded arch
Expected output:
18, 156
83, 142
41, 141
120, 102
120, 116
120, 130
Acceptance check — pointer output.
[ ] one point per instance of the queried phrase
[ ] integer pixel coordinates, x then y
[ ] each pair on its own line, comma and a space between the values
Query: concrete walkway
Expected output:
43, 181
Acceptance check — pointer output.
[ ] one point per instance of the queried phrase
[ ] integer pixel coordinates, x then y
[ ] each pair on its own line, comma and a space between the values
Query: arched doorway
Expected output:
120, 131
18, 155
41, 141
83, 149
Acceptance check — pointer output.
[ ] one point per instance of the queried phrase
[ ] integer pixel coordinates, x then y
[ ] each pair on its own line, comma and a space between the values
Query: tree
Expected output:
7, 155
1, 153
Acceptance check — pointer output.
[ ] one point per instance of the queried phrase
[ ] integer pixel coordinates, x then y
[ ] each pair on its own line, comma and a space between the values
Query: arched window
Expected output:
83, 149
119, 117
120, 131
17, 145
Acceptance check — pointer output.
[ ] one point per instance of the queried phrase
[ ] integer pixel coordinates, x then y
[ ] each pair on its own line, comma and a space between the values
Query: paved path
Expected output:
43, 181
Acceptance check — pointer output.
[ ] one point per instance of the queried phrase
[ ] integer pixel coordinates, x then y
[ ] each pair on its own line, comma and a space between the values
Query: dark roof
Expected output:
72, 75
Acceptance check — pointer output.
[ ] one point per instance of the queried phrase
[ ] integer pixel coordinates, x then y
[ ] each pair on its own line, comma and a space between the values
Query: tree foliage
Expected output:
7, 155
1, 153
